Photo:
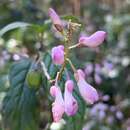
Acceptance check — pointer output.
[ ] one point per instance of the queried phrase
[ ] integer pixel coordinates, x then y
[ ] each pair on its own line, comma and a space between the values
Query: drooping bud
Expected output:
58, 105
56, 20
94, 40
87, 91
57, 54
71, 105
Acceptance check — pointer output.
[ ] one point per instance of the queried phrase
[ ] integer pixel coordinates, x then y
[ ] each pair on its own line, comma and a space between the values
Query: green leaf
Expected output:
20, 106
42, 27
12, 26
47, 60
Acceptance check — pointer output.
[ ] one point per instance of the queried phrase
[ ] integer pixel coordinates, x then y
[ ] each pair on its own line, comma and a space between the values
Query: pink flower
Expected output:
89, 69
88, 92
71, 105
56, 19
119, 115
94, 40
58, 105
98, 68
98, 78
57, 54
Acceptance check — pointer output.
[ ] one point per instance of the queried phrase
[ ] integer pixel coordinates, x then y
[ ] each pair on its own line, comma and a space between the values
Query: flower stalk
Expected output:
67, 42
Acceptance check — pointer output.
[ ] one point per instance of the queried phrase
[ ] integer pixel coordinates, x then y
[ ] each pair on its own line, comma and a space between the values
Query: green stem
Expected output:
65, 57
72, 66
74, 46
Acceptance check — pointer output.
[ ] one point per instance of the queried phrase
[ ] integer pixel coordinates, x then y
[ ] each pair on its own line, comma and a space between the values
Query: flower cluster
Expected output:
104, 69
105, 114
60, 56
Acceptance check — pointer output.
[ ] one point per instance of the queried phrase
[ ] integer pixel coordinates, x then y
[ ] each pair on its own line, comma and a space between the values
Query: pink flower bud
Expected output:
69, 85
82, 74
57, 54
56, 20
58, 105
71, 105
94, 40
88, 92
53, 91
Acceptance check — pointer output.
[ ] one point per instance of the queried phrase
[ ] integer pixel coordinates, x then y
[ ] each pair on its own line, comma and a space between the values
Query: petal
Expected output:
58, 105
88, 92
57, 54
55, 19
61, 47
53, 91
71, 105
58, 111
94, 40
69, 85
79, 74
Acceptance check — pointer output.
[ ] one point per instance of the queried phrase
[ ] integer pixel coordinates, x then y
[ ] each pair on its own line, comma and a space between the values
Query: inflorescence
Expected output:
60, 56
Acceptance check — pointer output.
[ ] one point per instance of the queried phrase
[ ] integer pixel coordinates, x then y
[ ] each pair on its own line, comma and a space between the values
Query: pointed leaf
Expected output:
20, 106
12, 26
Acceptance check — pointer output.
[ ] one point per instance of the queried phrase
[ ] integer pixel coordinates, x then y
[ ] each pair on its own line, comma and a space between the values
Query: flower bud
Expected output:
56, 20
71, 105
57, 54
58, 105
94, 40
88, 92
53, 91
69, 85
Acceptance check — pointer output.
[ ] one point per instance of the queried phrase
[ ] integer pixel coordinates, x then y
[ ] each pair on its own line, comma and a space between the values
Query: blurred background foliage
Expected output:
111, 61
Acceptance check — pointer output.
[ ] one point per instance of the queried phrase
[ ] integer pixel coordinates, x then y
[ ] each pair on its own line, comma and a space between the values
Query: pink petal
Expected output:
69, 85
55, 19
58, 105
57, 54
53, 91
58, 111
71, 105
94, 40
88, 92
79, 74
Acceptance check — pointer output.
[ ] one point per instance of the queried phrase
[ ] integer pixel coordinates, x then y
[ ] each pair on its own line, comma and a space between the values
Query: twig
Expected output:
74, 46
45, 71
